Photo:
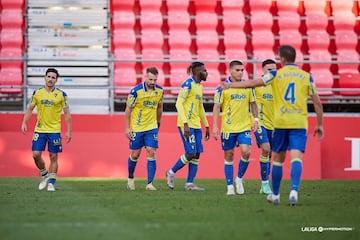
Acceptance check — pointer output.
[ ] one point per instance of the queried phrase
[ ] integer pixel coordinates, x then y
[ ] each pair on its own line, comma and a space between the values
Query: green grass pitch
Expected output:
88, 208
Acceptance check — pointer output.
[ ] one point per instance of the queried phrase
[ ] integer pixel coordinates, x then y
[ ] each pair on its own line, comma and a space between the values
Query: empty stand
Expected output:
323, 79
349, 80
13, 78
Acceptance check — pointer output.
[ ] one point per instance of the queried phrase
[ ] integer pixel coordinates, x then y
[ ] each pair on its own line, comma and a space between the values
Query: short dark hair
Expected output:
287, 52
53, 70
235, 63
152, 70
268, 61
190, 69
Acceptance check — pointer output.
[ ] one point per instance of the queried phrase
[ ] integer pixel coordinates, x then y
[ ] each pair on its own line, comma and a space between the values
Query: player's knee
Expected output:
150, 152
53, 157
245, 154
190, 156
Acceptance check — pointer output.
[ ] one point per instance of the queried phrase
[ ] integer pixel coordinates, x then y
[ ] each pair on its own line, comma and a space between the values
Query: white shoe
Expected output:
131, 184
274, 199
170, 179
44, 181
239, 186
293, 198
51, 187
150, 187
230, 190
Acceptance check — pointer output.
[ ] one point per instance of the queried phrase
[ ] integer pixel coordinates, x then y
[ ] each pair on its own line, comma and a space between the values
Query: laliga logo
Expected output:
355, 154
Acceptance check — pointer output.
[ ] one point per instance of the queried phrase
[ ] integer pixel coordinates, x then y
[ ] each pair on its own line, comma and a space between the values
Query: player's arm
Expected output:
159, 112
319, 130
204, 121
68, 123
254, 111
180, 108
264, 80
27, 117
216, 114
128, 111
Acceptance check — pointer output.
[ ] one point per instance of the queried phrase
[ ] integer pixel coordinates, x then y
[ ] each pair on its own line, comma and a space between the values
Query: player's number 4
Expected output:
290, 93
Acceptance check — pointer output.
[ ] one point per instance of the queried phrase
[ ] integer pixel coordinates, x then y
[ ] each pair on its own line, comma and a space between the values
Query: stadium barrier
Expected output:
99, 148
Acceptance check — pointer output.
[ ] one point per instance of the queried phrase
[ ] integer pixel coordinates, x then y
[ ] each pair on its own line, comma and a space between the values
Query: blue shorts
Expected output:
289, 139
232, 140
192, 144
263, 135
144, 139
53, 140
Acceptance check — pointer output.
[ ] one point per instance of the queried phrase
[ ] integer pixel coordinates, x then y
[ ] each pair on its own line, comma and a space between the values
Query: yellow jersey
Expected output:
144, 104
49, 107
235, 107
291, 87
189, 105
265, 104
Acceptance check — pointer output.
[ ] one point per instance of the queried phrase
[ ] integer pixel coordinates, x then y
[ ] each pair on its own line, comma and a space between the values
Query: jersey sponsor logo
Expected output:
149, 103
237, 96
47, 102
285, 110
267, 96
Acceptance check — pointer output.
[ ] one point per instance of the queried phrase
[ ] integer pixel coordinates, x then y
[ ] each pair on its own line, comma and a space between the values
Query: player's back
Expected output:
291, 88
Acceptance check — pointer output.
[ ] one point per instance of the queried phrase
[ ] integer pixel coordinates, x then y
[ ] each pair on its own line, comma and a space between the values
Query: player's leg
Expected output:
280, 144
38, 146
264, 145
244, 140
228, 143
151, 143
189, 148
54, 147
194, 161
136, 143
298, 138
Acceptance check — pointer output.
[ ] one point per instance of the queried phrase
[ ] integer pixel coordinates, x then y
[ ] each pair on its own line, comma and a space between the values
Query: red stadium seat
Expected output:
262, 40
12, 18
349, 80
180, 39
316, 21
346, 40
124, 39
11, 38
127, 5
291, 37
348, 56
177, 5
15, 4
151, 19
234, 41
178, 20
124, 78
152, 39
205, 6
212, 82
318, 40
150, 5
177, 77
323, 79
261, 21
11, 77
11, 53
123, 20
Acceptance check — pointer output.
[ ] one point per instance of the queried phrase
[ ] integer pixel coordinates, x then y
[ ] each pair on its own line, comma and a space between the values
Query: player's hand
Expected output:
68, 137
23, 128
128, 133
207, 133
269, 75
186, 130
215, 132
225, 85
255, 127
319, 131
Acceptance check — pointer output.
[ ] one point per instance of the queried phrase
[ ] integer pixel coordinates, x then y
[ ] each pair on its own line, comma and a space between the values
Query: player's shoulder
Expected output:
187, 83
158, 87
60, 91
137, 88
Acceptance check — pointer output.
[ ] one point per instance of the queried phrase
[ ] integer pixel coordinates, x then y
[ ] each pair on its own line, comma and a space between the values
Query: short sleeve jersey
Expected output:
49, 107
265, 104
144, 104
235, 108
191, 95
291, 88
